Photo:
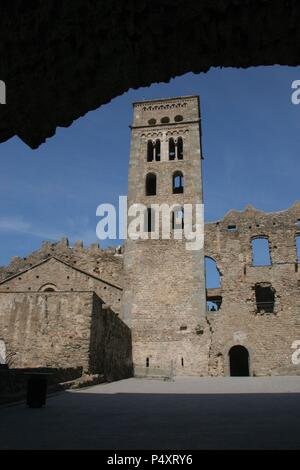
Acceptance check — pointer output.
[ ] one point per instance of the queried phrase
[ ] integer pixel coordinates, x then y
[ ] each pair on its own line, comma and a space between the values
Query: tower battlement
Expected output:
168, 111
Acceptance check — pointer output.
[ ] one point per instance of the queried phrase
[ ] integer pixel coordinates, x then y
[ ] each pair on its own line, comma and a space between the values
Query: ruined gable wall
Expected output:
107, 264
64, 278
268, 337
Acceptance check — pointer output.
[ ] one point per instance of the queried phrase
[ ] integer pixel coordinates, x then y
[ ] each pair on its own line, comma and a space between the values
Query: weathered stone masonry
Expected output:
53, 273
258, 320
65, 306
268, 336
164, 290
56, 315
36, 324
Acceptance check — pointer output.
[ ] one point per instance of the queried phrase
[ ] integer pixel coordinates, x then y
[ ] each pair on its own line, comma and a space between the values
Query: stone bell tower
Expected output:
164, 290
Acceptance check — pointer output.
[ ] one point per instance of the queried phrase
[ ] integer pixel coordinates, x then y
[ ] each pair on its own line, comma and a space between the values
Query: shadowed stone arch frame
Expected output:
56, 70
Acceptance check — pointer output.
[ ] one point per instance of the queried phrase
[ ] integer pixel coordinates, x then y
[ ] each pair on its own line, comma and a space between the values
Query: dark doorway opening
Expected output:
239, 361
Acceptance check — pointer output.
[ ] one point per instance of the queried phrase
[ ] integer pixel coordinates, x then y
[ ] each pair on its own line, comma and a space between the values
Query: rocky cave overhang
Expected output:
62, 58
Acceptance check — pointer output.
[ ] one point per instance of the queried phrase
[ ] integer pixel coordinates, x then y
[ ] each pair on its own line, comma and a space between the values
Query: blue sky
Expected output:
251, 144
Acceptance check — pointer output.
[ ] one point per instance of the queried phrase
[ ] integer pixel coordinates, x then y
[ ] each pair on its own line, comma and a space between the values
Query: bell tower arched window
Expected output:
171, 149
151, 184
178, 182
150, 151
176, 149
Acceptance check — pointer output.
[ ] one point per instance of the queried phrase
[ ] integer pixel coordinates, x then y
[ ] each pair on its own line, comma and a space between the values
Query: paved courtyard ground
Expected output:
190, 413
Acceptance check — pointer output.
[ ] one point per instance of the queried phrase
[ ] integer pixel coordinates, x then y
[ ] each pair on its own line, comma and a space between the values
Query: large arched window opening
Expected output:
260, 251
150, 151
178, 183
239, 361
171, 149
151, 184
212, 274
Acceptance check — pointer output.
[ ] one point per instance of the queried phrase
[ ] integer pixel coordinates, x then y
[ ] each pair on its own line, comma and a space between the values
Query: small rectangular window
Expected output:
232, 228
265, 298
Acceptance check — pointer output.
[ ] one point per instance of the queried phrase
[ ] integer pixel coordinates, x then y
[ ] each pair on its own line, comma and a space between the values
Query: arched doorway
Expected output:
239, 361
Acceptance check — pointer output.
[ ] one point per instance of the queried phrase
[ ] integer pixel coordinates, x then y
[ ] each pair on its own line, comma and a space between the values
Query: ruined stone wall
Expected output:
267, 336
164, 289
111, 343
107, 264
64, 330
62, 277
47, 330
164, 292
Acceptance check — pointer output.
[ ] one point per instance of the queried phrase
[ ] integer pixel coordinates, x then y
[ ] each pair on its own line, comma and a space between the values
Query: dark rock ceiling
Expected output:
62, 58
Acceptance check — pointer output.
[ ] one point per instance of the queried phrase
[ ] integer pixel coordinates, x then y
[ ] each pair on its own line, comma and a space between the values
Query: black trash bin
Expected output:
37, 390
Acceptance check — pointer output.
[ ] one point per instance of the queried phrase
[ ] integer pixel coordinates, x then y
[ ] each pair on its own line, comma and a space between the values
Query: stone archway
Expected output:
131, 46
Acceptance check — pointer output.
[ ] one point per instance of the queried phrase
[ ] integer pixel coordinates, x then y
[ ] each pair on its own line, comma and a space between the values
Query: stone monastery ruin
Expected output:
145, 308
